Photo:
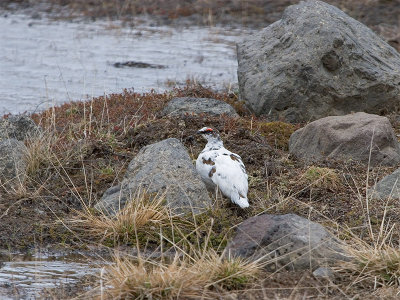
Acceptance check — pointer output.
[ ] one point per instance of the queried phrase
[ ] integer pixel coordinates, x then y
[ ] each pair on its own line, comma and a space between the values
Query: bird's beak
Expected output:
199, 132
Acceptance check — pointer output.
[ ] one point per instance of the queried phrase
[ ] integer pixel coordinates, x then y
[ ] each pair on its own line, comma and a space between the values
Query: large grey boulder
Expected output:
190, 105
12, 163
315, 62
18, 127
347, 137
164, 168
286, 241
388, 187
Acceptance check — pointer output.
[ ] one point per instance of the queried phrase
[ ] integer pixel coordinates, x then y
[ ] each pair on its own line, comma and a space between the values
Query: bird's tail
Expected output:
242, 202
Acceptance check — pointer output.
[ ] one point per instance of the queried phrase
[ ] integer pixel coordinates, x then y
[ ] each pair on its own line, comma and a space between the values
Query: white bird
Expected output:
220, 167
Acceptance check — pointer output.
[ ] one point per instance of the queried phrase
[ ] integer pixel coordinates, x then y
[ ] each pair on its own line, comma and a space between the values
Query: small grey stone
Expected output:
190, 105
324, 272
347, 137
316, 62
389, 186
164, 168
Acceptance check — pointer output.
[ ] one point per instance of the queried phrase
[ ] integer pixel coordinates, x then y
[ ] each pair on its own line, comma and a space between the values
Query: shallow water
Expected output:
46, 62
25, 276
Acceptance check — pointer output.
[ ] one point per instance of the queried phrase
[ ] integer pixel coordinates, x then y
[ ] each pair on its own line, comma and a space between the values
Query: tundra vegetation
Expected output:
85, 148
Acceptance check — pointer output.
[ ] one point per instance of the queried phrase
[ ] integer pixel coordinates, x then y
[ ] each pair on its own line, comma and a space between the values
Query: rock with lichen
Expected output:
163, 168
316, 62
286, 242
18, 127
190, 105
12, 163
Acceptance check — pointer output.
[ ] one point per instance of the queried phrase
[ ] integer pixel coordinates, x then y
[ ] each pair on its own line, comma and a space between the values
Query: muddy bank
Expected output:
382, 16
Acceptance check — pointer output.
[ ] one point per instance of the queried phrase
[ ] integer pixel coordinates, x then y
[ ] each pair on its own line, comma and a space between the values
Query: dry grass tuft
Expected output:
142, 279
37, 158
139, 213
380, 266
277, 133
375, 258
229, 273
184, 276
40, 154
376, 262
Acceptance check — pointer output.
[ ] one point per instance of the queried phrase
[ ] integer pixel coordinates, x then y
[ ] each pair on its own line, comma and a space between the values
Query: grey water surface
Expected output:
25, 276
45, 63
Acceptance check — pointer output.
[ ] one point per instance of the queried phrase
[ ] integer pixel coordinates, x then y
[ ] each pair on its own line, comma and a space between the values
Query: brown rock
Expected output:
287, 241
347, 137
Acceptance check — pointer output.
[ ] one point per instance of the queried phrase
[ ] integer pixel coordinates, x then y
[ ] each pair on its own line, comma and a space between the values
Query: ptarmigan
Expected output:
220, 167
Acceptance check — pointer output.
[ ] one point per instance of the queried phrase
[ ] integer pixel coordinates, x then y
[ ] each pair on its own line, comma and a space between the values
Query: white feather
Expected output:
220, 167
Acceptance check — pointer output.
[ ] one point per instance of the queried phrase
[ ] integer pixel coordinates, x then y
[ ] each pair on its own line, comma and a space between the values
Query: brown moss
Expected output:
321, 178
277, 133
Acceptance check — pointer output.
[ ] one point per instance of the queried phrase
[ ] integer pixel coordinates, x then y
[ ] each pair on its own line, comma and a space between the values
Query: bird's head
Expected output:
209, 134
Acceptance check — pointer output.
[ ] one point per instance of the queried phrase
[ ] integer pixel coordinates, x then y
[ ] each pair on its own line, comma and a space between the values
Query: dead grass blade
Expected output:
139, 212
